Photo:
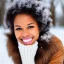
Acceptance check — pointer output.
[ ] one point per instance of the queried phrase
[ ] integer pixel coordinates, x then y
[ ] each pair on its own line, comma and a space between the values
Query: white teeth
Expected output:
27, 40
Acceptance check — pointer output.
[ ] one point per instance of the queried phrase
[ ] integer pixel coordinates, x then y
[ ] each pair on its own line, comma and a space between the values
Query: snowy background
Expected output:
59, 32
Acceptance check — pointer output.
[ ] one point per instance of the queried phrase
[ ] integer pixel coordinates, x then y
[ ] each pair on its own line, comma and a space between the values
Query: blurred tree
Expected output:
59, 15
2, 7
53, 11
12, 0
62, 2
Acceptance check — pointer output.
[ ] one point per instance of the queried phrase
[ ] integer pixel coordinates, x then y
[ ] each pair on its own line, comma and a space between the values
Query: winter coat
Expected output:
51, 53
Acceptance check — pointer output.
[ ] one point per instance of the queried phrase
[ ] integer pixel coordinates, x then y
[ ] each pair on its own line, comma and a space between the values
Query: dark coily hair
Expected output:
40, 13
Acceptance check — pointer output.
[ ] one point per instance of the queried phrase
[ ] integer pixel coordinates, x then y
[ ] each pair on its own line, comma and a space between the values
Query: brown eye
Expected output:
30, 27
18, 28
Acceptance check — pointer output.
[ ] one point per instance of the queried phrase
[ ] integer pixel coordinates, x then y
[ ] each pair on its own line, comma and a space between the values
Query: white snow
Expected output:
59, 32
4, 59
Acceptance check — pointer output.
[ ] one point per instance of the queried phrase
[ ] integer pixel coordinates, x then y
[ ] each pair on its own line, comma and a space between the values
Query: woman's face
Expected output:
26, 29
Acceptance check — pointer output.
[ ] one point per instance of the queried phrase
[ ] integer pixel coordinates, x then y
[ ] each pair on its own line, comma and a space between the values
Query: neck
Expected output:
28, 52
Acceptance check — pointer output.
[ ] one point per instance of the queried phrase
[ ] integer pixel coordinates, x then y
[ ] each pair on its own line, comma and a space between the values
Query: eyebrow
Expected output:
17, 26
30, 23
20, 26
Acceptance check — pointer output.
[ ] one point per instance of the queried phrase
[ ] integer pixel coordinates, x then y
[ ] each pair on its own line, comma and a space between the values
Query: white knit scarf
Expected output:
27, 52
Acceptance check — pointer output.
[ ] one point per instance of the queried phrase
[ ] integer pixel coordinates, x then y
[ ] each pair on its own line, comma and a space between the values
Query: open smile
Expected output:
27, 40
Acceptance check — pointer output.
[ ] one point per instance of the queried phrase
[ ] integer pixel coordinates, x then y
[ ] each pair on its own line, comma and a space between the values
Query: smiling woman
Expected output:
26, 29
29, 40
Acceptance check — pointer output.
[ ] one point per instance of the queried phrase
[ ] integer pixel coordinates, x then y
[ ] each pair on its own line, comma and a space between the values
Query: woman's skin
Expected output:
26, 29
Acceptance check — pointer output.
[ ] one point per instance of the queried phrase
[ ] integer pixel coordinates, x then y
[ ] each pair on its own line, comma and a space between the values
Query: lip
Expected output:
27, 43
27, 38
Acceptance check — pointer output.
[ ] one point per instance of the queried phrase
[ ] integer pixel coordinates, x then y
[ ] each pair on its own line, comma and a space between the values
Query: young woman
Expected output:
29, 40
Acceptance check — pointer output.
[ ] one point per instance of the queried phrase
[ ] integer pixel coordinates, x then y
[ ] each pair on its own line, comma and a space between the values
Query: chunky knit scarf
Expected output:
27, 52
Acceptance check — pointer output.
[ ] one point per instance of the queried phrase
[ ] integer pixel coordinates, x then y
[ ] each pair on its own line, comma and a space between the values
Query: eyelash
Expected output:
18, 28
29, 27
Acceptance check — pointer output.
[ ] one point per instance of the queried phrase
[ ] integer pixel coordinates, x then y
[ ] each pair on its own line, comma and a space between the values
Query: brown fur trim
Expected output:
43, 55
13, 50
46, 52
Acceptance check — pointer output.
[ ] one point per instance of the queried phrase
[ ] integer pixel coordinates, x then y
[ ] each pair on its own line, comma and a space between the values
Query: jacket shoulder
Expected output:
57, 58
57, 41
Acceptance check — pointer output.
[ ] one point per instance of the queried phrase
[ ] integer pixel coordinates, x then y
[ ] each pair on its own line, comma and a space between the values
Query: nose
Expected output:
25, 33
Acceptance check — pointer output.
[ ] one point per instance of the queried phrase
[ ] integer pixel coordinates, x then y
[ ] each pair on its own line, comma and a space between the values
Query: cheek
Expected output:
35, 33
17, 35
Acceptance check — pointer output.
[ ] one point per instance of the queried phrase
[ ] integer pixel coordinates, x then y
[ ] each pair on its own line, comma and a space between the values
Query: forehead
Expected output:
24, 19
